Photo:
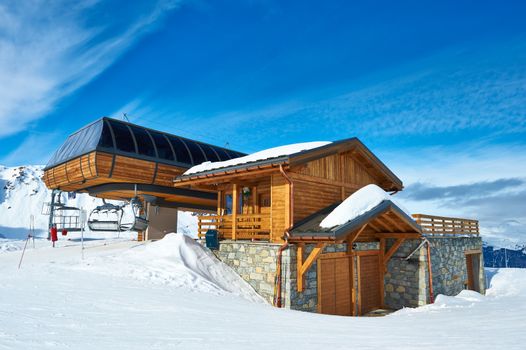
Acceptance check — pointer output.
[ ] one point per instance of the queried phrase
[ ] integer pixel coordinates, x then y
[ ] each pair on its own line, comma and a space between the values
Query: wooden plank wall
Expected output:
325, 181
279, 206
310, 197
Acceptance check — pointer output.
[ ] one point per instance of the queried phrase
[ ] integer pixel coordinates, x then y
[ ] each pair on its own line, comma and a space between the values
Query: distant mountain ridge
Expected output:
23, 193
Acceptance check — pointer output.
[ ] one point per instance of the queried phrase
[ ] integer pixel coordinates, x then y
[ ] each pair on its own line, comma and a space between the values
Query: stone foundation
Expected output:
405, 283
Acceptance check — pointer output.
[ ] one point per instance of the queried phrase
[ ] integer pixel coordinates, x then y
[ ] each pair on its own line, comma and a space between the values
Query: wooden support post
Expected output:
383, 269
299, 263
255, 204
303, 266
219, 196
234, 209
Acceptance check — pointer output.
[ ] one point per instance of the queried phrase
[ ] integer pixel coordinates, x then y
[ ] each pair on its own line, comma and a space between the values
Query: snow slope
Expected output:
57, 301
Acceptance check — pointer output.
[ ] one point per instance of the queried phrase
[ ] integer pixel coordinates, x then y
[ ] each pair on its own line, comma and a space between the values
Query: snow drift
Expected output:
176, 260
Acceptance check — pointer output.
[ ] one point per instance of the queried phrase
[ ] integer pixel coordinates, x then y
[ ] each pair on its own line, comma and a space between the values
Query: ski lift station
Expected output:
313, 226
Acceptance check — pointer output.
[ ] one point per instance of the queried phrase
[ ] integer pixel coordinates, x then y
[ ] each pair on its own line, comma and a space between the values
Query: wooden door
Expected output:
335, 285
473, 271
369, 297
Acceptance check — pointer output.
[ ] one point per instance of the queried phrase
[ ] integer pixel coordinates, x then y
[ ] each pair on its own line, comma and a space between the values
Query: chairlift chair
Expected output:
112, 223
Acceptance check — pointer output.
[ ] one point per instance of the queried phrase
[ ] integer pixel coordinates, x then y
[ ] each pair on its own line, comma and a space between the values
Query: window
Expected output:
105, 138
197, 154
123, 137
229, 203
144, 142
181, 152
222, 154
164, 150
210, 154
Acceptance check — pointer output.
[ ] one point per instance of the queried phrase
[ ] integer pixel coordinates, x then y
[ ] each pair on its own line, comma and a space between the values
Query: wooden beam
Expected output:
392, 250
374, 227
382, 268
379, 223
234, 210
299, 263
392, 222
223, 177
303, 266
396, 235
353, 237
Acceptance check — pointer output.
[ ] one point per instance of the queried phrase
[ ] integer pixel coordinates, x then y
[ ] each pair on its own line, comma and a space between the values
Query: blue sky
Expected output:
435, 86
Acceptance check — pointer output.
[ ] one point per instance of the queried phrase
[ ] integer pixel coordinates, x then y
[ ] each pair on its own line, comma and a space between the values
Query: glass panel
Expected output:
197, 155
210, 154
164, 150
105, 137
181, 153
123, 137
222, 153
144, 142
234, 154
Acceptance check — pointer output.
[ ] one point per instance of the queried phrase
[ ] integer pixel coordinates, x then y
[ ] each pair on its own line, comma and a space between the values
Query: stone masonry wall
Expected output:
449, 264
407, 281
255, 262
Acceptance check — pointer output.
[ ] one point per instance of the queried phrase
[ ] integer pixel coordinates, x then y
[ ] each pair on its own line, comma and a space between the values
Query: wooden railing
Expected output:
248, 226
439, 225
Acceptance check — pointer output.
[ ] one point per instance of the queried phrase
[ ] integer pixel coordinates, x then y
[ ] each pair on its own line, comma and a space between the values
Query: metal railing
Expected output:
445, 226
248, 226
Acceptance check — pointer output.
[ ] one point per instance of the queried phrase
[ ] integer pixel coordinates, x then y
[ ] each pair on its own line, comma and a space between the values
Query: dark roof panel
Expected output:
119, 137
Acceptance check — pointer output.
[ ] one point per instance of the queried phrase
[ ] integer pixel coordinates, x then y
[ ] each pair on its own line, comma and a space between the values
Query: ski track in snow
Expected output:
173, 295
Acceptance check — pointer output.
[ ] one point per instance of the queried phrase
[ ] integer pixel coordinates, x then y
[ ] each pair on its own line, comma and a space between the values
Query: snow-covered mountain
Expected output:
23, 194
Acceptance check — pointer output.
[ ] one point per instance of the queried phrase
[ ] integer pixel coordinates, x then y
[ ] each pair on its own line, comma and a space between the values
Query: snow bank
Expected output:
357, 204
261, 155
176, 260
508, 282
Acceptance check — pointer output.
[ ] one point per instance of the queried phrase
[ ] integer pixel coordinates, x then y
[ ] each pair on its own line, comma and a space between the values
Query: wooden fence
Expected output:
445, 226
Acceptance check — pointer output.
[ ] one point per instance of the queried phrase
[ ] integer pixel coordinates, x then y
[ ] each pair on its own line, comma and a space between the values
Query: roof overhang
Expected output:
386, 220
354, 145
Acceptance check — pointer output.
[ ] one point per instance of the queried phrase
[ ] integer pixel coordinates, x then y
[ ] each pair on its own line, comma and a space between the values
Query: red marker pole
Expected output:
54, 236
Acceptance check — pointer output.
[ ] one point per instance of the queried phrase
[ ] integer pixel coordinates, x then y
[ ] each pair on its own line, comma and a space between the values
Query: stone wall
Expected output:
407, 281
449, 264
255, 262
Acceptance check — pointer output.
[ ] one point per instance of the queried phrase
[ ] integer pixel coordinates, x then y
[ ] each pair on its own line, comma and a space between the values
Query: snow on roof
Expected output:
357, 204
261, 155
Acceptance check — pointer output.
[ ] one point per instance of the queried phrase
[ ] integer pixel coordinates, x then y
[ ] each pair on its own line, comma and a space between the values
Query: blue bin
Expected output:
212, 239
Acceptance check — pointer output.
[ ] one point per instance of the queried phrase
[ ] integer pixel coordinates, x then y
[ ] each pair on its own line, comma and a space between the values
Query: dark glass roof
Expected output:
119, 137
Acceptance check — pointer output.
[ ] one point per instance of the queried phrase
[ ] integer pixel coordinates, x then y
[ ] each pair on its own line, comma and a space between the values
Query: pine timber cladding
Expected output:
99, 168
325, 181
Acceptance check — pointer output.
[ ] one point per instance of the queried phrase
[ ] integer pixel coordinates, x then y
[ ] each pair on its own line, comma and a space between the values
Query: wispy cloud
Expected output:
481, 88
50, 49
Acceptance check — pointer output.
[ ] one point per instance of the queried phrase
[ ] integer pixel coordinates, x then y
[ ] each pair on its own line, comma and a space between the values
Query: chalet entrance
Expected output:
342, 293
335, 284
473, 270
369, 281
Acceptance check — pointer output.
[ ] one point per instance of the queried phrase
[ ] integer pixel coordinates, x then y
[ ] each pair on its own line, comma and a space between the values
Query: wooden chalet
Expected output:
266, 208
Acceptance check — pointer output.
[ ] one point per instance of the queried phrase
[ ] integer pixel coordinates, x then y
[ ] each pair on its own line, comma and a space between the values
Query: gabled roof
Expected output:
118, 137
297, 158
310, 229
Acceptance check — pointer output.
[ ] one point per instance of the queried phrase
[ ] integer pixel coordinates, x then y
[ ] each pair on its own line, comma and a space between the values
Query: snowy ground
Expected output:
172, 294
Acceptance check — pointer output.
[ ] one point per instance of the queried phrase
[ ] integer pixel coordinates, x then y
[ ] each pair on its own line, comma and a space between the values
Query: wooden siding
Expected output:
339, 168
311, 197
279, 198
335, 284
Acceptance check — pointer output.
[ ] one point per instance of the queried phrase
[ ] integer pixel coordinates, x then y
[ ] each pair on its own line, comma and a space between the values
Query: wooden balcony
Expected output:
248, 226
445, 226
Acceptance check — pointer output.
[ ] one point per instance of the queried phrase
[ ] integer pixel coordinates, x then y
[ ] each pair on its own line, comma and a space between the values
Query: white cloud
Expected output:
50, 49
